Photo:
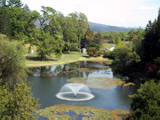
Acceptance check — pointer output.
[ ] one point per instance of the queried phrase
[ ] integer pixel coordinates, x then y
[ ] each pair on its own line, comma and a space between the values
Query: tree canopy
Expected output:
17, 101
146, 103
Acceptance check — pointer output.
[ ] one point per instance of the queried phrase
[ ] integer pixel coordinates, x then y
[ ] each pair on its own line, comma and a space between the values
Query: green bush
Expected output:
109, 54
124, 57
146, 103
16, 99
93, 52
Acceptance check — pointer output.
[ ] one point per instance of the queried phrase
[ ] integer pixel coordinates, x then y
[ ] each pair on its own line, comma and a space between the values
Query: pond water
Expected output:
47, 81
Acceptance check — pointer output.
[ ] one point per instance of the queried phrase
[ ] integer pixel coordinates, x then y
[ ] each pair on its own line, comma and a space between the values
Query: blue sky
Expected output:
127, 13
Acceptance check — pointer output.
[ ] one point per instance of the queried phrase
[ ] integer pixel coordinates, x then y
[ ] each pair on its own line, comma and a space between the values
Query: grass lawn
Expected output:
65, 59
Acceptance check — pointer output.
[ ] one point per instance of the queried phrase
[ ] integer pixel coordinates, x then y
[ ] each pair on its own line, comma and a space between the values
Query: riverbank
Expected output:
65, 59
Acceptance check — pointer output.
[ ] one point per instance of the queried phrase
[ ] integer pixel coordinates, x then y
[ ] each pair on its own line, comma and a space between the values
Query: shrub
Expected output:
146, 103
93, 52
124, 57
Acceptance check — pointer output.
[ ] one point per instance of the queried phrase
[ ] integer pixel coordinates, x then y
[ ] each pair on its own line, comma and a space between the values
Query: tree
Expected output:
47, 38
98, 40
16, 22
15, 3
146, 102
12, 67
88, 38
137, 39
81, 24
2, 3
124, 59
150, 44
5, 25
46, 44
17, 101
69, 35
11, 3
49, 21
118, 42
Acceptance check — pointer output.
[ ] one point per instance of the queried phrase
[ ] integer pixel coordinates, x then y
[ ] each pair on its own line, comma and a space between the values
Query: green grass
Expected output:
65, 59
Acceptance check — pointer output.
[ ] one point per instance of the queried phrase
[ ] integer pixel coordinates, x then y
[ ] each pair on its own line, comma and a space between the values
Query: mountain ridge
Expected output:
97, 27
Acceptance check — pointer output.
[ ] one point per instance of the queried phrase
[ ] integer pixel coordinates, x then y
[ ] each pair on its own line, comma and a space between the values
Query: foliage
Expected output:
137, 36
19, 23
92, 42
92, 51
150, 44
17, 104
110, 37
45, 43
4, 21
118, 42
10, 3
11, 61
16, 22
124, 58
146, 103
69, 35
81, 24
15, 3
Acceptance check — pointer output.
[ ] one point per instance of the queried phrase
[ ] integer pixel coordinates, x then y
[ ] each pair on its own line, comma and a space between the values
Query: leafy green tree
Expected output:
5, 25
146, 102
132, 34
46, 44
16, 22
17, 101
69, 35
98, 40
88, 38
81, 24
118, 42
49, 21
11, 61
124, 59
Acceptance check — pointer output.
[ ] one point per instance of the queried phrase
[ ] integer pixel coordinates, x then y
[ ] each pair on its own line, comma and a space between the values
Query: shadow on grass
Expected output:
38, 58
86, 56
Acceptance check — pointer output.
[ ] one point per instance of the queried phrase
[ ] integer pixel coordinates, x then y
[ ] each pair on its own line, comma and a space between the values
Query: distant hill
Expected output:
106, 28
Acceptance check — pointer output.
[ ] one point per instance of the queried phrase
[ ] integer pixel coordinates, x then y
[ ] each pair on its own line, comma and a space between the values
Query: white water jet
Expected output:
75, 92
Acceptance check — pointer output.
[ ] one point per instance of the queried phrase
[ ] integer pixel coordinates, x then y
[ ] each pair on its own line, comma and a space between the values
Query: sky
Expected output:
126, 13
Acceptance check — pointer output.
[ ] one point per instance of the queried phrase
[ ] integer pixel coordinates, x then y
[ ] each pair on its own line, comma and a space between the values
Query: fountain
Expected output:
75, 92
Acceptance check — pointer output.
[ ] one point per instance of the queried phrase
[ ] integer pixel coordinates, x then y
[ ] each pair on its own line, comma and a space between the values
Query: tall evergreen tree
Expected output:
150, 44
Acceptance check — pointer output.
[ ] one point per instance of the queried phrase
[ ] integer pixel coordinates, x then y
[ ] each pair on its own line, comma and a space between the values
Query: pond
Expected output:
47, 81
